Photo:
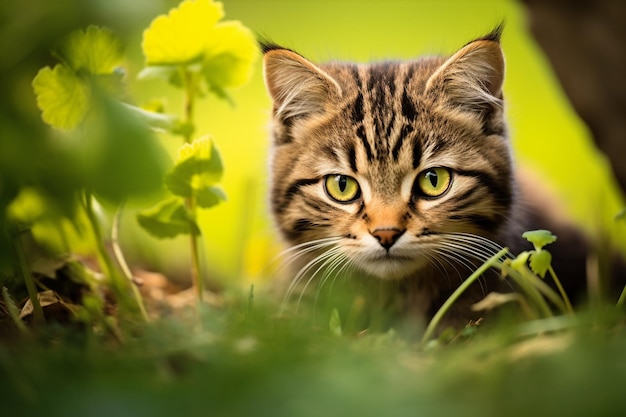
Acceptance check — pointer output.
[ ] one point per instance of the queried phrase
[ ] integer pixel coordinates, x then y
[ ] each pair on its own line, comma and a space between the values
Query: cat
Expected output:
403, 171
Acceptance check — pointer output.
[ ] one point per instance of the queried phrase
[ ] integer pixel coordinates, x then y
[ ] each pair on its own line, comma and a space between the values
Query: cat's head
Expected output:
391, 165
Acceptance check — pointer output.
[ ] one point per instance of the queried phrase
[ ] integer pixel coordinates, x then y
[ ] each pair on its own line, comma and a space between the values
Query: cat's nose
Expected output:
387, 236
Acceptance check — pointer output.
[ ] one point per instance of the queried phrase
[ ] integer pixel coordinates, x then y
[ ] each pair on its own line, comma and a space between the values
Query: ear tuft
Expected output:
494, 35
266, 45
473, 77
298, 87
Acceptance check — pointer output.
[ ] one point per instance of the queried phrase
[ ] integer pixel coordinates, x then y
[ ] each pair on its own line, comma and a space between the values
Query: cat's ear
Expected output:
297, 86
473, 77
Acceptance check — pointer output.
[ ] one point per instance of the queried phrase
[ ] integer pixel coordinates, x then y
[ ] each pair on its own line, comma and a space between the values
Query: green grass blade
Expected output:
434, 322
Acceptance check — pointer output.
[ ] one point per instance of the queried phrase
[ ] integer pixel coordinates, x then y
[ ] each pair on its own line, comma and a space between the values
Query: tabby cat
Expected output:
399, 170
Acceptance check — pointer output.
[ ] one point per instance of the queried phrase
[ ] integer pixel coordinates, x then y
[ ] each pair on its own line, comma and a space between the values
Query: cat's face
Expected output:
391, 167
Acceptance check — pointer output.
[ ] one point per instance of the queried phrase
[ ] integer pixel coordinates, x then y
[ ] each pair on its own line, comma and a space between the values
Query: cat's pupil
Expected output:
432, 177
343, 182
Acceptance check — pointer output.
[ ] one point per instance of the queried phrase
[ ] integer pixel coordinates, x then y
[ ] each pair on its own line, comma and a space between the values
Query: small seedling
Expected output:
80, 97
540, 260
191, 49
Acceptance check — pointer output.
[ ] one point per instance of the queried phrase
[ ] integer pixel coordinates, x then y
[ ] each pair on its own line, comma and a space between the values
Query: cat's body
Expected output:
400, 170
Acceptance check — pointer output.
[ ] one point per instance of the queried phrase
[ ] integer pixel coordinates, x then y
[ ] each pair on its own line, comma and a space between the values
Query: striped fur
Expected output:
383, 124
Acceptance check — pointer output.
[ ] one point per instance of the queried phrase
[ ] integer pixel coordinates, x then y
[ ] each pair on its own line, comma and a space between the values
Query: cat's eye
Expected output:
434, 182
342, 188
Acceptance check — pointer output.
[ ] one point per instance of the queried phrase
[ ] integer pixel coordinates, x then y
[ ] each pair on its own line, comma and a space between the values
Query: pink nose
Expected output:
387, 236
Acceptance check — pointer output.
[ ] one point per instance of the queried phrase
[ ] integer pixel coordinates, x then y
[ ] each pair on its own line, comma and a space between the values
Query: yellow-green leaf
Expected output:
229, 56
168, 219
28, 206
539, 238
540, 262
520, 260
208, 197
334, 323
198, 167
181, 36
95, 50
62, 97
201, 149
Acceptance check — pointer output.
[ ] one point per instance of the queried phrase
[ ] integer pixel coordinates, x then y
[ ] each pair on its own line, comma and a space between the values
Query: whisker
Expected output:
477, 239
435, 259
301, 249
450, 258
338, 261
479, 248
322, 260
301, 274
464, 249
306, 247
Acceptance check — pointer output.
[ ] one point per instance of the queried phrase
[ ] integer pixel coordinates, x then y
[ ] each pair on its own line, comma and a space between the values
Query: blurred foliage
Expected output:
256, 365
33, 158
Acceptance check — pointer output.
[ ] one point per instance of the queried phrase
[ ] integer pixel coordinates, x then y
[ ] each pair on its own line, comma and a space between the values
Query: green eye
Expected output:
342, 188
434, 181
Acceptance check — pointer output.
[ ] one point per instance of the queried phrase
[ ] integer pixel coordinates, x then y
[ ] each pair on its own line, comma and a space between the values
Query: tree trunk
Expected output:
586, 44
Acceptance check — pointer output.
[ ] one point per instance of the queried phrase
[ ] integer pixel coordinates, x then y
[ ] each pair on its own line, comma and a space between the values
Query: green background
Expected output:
239, 239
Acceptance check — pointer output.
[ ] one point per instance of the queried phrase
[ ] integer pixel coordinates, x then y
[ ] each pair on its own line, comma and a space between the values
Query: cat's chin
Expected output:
390, 268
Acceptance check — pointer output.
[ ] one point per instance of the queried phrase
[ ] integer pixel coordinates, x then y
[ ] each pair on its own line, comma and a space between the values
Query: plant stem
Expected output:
119, 284
434, 322
557, 282
196, 277
525, 279
14, 313
31, 287
189, 106
121, 261
547, 291
622, 298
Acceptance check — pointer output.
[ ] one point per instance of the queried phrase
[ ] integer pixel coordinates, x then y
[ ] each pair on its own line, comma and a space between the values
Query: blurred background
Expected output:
239, 240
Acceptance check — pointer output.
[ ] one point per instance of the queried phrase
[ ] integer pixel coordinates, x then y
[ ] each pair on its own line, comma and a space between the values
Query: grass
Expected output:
246, 362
